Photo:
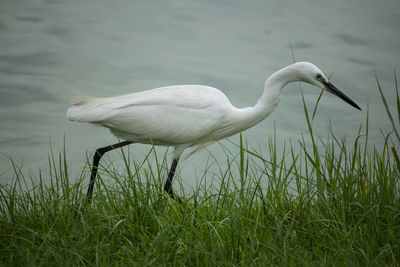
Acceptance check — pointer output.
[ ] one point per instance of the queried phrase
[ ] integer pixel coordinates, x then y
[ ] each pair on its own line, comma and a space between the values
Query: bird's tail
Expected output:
79, 100
80, 108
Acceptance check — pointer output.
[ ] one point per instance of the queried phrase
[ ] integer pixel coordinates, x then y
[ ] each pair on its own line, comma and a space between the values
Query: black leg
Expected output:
168, 183
96, 159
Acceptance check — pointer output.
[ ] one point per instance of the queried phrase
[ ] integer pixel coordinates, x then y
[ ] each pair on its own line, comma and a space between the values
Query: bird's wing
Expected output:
167, 115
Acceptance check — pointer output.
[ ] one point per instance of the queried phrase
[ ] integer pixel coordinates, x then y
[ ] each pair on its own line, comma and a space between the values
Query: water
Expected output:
51, 50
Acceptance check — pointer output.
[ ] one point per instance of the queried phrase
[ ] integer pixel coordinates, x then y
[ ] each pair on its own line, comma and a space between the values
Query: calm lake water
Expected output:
51, 50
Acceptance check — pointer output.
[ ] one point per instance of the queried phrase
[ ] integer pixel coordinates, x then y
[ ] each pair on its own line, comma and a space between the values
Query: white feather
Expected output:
187, 115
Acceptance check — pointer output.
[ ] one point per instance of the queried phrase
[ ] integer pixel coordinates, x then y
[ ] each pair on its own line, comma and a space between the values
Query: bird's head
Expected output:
309, 73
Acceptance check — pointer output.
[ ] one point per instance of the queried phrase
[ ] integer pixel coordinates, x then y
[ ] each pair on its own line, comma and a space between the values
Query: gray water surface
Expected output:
51, 50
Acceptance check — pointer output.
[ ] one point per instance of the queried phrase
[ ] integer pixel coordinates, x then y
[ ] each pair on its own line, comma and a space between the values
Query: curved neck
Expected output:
274, 84
268, 101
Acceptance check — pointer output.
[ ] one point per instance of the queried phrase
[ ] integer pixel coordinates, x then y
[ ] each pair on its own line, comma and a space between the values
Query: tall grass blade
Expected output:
389, 114
316, 104
397, 95
396, 158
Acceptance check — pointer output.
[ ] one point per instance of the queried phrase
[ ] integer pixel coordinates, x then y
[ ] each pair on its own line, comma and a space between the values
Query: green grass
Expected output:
315, 202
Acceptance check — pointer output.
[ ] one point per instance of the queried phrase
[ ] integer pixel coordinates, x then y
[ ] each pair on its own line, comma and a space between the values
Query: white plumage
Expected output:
180, 115
187, 115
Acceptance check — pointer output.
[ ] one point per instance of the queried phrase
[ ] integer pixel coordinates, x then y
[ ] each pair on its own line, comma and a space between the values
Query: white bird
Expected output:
184, 116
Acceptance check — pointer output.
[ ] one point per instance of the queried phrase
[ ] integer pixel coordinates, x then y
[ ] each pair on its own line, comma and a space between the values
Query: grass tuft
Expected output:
313, 202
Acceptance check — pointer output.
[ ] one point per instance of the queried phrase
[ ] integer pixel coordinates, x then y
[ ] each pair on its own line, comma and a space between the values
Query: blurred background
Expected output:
51, 50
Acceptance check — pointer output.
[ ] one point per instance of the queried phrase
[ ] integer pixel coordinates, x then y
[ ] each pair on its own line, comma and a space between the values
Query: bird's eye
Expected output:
318, 76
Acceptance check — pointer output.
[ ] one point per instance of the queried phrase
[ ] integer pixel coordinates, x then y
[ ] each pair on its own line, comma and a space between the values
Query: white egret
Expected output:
184, 116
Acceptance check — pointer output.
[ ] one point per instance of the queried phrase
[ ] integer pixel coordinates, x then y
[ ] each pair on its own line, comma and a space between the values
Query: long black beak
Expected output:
332, 89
